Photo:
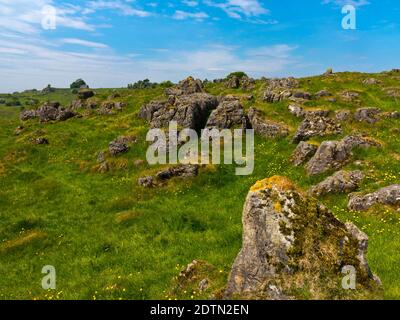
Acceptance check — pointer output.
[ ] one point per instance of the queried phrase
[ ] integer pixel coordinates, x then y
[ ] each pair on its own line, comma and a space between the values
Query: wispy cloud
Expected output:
123, 8
341, 3
238, 9
84, 43
182, 15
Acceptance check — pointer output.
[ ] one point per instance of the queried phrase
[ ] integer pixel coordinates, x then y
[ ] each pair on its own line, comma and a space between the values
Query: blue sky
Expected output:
111, 43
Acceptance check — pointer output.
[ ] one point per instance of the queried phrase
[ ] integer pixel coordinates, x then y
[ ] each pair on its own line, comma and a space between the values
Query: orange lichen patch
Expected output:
23, 240
126, 216
277, 181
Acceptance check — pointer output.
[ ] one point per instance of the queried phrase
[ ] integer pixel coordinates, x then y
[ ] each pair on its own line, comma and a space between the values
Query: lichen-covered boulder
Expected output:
386, 196
84, 94
110, 107
266, 128
52, 111
228, 115
342, 115
335, 154
276, 95
293, 247
189, 111
303, 152
339, 182
314, 125
323, 93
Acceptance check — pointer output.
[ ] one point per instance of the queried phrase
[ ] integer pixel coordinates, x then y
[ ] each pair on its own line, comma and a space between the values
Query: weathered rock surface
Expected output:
183, 171
387, 196
335, 154
292, 243
371, 81
316, 126
265, 128
303, 153
276, 95
185, 87
228, 115
323, 93
300, 112
342, 115
350, 96
109, 107
340, 182
369, 115
189, 111
120, 145
28, 115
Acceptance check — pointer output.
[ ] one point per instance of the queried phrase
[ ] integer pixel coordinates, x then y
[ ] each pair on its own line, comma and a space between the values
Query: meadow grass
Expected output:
109, 238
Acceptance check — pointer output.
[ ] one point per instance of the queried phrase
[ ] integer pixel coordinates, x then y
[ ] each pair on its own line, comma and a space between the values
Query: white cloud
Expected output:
181, 15
80, 42
122, 7
190, 3
238, 8
341, 3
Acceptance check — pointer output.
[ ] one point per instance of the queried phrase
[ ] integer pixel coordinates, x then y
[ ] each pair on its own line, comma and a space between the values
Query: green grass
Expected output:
53, 190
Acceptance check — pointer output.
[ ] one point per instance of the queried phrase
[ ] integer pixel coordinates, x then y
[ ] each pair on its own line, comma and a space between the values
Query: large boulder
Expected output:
84, 94
228, 115
266, 128
340, 182
276, 95
314, 125
190, 111
294, 247
335, 154
387, 196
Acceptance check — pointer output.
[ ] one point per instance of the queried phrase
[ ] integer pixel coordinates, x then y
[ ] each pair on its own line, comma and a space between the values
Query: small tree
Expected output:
78, 84
238, 74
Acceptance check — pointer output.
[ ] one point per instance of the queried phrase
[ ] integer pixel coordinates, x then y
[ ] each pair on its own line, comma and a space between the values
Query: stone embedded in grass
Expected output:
342, 115
109, 107
371, 81
369, 115
120, 145
339, 182
386, 196
41, 141
294, 247
183, 171
303, 152
335, 154
323, 93
84, 94
266, 128
316, 126
28, 115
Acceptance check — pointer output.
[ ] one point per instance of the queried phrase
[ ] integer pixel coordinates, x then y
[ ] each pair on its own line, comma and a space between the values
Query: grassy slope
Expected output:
53, 190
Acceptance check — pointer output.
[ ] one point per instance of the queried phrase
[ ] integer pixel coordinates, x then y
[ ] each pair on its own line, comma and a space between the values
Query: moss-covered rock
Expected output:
294, 248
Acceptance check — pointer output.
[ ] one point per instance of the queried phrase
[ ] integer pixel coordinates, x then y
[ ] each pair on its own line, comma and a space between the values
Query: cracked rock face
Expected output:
265, 128
340, 182
228, 115
189, 111
387, 196
303, 153
335, 154
291, 243
316, 126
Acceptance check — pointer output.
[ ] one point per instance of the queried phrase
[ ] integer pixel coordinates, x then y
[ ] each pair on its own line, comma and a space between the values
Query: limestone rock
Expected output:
109, 107
323, 93
303, 153
316, 126
185, 87
120, 145
183, 171
84, 94
265, 128
342, 115
190, 111
292, 243
340, 182
228, 115
335, 154
369, 115
28, 114
387, 196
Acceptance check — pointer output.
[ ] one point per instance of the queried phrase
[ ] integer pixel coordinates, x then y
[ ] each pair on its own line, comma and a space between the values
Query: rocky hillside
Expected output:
77, 193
